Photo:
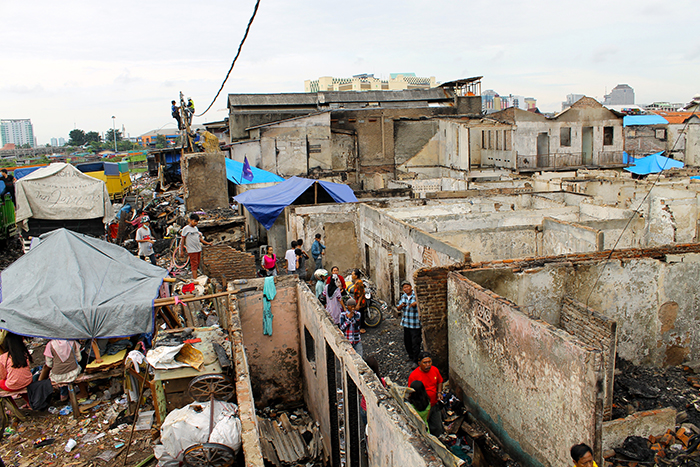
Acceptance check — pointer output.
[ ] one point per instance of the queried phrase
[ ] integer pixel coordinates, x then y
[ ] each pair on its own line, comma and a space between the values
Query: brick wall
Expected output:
431, 296
597, 331
222, 260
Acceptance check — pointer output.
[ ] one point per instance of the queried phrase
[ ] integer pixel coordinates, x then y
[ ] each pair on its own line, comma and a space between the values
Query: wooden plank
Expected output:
159, 401
187, 298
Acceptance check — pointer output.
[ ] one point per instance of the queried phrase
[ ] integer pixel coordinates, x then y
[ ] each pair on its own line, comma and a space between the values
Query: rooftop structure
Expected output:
367, 82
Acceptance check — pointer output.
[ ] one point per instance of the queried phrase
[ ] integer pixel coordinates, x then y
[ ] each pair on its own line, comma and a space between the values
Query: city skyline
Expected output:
76, 74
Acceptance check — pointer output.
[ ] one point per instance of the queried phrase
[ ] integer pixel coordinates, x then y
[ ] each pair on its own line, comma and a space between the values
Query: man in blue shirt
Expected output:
412, 338
317, 251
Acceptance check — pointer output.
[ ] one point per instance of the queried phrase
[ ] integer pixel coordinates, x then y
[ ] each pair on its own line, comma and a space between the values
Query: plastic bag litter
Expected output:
189, 425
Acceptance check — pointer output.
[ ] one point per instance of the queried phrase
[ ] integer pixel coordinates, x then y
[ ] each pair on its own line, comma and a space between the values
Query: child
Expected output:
350, 325
192, 240
145, 241
62, 358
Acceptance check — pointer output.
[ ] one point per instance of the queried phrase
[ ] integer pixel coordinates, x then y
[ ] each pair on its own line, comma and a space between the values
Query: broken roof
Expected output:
676, 117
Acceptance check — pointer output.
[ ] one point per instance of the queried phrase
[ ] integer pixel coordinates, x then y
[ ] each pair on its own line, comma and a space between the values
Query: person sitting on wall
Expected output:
582, 454
431, 378
420, 401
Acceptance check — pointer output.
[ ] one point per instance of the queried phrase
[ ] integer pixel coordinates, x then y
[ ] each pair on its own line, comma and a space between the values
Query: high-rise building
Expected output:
61, 141
17, 131
571, 100
367, 82
491, 102
54, 142
622, 94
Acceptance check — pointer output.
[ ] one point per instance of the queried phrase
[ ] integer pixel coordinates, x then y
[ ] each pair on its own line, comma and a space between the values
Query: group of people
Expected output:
61, 364
189, 112
9, 180
295, 258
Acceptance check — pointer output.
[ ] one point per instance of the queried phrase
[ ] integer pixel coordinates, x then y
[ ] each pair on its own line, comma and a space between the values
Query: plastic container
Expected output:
70, 445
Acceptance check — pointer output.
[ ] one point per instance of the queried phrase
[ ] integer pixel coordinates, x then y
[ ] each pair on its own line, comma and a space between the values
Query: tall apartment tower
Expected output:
622, 94
17, 131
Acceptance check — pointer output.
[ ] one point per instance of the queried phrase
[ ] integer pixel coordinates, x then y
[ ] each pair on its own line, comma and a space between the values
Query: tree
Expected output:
109, 136
77, 137
91, 136
161, 142
126, 145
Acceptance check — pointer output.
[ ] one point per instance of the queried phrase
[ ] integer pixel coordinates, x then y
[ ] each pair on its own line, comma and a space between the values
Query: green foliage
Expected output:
77, 137
161, 142
92, 136
109, 136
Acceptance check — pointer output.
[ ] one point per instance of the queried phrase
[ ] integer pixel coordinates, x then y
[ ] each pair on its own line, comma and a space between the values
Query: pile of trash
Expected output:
678, 447
290, 437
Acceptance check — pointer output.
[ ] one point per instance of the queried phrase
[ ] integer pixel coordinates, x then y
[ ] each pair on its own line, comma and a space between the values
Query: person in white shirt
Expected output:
291, 257
146, 241
192, 240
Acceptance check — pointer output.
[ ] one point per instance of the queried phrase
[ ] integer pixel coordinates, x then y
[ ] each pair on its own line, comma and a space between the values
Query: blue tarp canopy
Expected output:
24, 171
266, 204
631, 120
234, 172
653, 164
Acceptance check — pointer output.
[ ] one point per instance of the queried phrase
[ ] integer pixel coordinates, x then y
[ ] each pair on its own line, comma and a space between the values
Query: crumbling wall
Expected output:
273, 360
227, 264
560, 237
204, 177
504, 242
523, 377
597, 331
391, 440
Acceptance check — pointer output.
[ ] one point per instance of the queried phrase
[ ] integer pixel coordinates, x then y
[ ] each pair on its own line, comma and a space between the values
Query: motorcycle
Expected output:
374, 308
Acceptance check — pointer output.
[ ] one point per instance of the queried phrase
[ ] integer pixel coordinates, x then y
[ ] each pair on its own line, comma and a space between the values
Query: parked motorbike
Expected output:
375, 307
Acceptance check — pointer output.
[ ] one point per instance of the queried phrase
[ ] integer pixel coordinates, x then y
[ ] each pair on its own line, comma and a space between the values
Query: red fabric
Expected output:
3, 386
342, 281
430, 380
187, 288
194, 260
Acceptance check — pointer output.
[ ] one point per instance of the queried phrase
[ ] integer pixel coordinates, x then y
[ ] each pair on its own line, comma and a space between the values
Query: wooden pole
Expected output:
96, 350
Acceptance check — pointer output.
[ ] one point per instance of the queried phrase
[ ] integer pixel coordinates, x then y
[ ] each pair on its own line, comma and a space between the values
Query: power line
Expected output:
636, 211
240, 46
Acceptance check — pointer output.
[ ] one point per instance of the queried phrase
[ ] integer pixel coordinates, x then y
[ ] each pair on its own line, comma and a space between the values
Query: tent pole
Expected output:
315, 192
96, 350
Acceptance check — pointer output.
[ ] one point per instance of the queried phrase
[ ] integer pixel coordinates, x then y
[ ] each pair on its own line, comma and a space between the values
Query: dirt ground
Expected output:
385, 343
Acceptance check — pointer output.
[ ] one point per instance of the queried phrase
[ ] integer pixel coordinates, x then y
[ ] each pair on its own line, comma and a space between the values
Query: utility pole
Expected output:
114, 134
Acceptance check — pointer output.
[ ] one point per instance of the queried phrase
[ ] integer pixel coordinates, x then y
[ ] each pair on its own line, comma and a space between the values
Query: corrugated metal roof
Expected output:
635, 120
675, 118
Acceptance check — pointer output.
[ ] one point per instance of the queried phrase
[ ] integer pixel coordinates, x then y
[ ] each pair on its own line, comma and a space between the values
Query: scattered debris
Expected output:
290, 438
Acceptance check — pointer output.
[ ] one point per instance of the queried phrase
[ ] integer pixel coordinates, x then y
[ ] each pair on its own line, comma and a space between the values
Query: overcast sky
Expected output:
74, 64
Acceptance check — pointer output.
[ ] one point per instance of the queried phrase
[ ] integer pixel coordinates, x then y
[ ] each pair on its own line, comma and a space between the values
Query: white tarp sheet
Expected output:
60, 191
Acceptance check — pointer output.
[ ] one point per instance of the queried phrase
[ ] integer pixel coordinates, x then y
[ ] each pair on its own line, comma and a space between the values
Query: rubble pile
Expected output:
679, 448
641, 388
290, 438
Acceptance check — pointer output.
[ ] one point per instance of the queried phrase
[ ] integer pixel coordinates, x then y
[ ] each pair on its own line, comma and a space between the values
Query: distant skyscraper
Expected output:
491, 102
61, 141
622, 94
54, 142
18, 132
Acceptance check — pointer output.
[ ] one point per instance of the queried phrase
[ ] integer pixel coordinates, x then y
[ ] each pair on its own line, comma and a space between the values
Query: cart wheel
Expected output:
209, 455
205, 387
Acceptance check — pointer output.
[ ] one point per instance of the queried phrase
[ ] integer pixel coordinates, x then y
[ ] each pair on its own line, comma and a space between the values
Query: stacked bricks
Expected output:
431, 296
227, 264
597, 331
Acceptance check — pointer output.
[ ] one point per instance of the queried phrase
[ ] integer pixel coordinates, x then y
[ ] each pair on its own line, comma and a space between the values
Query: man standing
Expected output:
145, 241
290, 257
317, 251
302, 260
175, 110
410, 321
192, 240
431, 378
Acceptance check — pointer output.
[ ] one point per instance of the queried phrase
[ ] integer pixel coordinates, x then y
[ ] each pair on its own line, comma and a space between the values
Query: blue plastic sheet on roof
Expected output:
630, 120
266, 204
234, 169
653, 164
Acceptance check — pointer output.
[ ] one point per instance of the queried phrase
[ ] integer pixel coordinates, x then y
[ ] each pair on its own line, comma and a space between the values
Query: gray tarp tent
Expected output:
71, 286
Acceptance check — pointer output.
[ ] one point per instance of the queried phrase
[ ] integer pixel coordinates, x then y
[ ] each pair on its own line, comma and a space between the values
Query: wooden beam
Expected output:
187, 298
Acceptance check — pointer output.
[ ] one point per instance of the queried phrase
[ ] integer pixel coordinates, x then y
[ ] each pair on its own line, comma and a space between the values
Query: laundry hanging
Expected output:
269, 293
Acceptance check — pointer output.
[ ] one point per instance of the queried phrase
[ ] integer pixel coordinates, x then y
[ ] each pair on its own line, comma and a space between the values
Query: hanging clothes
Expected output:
269, 292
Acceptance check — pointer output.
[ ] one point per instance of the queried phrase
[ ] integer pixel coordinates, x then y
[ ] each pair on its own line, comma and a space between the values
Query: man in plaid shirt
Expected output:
350, 325
412, 338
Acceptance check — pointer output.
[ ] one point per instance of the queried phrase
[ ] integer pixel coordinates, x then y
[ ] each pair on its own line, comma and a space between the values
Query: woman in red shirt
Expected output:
269, 262
14, 364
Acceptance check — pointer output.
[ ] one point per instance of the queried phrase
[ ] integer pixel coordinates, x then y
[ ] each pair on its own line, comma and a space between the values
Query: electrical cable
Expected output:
636, 211
240, 47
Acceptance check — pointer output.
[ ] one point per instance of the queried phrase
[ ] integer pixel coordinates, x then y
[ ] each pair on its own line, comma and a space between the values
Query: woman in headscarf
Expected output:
62, 358
334, 302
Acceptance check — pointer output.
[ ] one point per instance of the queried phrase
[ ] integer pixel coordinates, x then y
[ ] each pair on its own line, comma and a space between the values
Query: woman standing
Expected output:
334, 302
358, 293
269, 262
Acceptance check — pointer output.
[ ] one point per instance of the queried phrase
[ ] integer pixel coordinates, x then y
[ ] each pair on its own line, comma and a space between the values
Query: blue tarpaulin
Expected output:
653, 164
266, 204
234, 170
631, 120
24, 171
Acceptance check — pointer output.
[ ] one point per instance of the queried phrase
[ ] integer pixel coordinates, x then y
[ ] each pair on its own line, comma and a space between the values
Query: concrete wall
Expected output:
247, 149
391, 439
204, 177
561, 237
502, 242
274, 360
646, 291
339, 229
536, 387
